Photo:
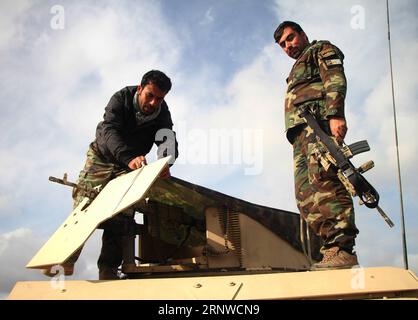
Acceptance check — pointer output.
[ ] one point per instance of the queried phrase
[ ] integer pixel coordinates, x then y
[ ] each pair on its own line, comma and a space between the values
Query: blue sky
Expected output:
228, 81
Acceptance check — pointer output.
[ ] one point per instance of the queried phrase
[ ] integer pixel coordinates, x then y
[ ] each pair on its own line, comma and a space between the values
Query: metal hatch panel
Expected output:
119, 194
362, 283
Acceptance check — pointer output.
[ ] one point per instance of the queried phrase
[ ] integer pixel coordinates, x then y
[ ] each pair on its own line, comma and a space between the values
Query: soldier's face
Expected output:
293, 43
150, 97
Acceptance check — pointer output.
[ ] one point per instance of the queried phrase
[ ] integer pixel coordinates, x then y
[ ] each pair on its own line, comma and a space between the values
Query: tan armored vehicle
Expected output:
210, 246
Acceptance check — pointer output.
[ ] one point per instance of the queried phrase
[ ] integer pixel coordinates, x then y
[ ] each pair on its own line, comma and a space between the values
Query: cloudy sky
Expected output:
62, 60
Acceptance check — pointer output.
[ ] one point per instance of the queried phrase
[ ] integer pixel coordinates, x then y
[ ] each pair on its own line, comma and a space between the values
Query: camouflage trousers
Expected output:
96, 172
323, 201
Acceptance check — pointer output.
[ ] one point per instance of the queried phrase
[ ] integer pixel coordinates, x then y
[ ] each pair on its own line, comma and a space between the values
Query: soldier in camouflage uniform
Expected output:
317, 79
132, 119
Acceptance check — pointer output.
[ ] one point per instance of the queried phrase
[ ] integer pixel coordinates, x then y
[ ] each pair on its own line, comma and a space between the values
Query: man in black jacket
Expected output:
135, 118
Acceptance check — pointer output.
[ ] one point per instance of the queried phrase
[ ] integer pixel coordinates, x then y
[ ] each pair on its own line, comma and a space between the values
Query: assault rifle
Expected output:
88, 192
330, 153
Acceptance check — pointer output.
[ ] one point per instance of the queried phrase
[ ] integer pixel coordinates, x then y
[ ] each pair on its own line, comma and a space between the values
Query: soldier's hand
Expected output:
338, 128
137, 163
165, 174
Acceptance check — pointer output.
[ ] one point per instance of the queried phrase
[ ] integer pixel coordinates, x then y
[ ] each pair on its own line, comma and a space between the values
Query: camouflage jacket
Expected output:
316, 77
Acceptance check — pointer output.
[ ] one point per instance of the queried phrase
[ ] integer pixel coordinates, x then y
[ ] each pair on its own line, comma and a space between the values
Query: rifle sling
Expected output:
339, 157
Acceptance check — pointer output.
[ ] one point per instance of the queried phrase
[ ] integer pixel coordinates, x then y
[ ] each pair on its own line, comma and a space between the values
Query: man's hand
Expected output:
165, 174
137, 163
338, 128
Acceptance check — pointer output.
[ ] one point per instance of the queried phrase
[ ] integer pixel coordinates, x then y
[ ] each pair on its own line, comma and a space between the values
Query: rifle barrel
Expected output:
385, 216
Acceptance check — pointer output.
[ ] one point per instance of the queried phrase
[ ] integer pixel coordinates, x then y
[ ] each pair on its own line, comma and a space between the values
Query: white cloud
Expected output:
5, 199
208, 18
16, 248
10, 29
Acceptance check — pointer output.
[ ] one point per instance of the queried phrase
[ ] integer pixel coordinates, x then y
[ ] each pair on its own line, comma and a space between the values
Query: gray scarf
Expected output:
142, 118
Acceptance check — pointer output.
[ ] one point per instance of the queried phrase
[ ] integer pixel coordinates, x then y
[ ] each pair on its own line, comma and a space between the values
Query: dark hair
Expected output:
158, 78
279, 31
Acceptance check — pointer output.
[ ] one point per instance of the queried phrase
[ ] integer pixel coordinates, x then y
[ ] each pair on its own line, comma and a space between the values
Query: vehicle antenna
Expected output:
405, 253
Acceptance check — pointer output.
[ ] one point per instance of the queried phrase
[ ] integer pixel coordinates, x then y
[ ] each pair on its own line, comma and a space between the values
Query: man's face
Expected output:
150, 97
293, 43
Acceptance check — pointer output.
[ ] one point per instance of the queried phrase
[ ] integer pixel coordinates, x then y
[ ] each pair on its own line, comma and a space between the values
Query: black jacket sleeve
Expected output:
115, 119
